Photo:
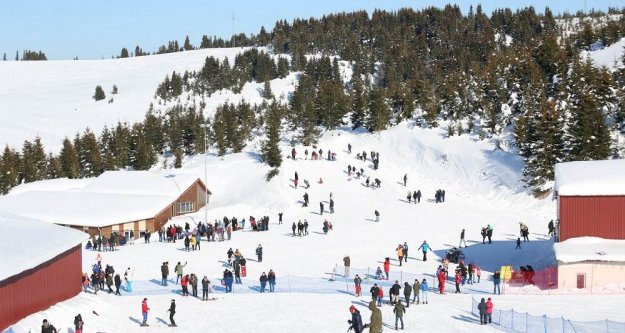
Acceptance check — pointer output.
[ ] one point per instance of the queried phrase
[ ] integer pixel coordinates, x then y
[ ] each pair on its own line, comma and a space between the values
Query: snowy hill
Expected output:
611, 56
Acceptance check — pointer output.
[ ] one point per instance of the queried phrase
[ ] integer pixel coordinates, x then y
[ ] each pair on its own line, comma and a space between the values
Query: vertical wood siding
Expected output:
598, 216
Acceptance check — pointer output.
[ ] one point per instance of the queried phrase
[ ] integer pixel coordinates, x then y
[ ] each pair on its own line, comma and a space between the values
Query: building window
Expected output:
185, 207
581, 280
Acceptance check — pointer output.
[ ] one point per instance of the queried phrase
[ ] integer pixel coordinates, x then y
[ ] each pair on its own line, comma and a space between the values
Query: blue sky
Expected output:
64, 29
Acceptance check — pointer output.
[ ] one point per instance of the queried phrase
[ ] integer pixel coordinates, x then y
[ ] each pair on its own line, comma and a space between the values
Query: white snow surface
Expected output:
590, 178
581, 249
482, 187
113, 197
611, 56
26, 243
53, 99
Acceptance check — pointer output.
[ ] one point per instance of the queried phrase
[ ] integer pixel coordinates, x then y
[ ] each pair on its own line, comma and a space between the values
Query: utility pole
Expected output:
234, 37
205, 127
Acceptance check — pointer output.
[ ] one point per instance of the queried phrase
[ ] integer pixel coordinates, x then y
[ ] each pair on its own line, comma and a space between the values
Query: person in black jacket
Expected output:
356, 321
407, 293
172, 312
263, 282
118, 283
47, 327
259, 253
482, 309
375, 290
395, 292
78, 324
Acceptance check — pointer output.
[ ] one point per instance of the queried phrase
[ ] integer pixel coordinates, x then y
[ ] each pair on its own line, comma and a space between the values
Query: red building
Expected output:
41, 266
591, 199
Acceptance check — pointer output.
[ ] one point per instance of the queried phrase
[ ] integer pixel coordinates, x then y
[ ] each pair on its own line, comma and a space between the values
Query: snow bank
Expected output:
590, 249
610, 56
590, 178
26, 243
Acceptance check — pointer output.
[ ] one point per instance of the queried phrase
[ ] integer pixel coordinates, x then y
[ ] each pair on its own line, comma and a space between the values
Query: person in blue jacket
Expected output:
425, 248
424, 291
356, 321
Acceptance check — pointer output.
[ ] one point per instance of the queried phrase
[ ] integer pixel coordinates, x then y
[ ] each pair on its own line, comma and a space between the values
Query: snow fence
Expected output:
525, 322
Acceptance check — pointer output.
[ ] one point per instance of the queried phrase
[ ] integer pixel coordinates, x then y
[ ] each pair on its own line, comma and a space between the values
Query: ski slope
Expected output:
482, 187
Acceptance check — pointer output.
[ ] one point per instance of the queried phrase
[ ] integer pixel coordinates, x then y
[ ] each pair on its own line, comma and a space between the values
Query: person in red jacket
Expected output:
387, 266
441, 281
458, 278
489, 310
144, 312
185, 284
380, 296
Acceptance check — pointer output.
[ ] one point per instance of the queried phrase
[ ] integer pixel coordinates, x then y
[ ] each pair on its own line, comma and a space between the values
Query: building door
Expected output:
581, 280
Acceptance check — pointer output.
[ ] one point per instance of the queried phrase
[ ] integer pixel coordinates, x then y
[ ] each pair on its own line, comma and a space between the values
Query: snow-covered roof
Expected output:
26, 243
141, 182
112, 198
582, 249
590, 178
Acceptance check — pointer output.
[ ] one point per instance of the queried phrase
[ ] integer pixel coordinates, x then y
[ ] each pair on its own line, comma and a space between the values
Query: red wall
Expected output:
39, 288
599, 216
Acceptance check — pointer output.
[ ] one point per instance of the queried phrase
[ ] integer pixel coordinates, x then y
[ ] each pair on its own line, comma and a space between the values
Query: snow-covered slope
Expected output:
481, 186
611, 56
53, 99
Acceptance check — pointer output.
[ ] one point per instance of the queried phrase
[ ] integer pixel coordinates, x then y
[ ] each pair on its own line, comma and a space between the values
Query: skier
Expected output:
399, 311
78, 324
375, 325
46, 327
425, 248
377, 216
462, 239
405, 179
346, 263
172, 312
164, 273
407, 292
144, 312
259, 253
424, 291
356, 321
357, 285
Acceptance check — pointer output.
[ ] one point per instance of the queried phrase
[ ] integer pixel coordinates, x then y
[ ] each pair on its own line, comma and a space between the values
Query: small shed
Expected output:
41, 266
590, 199
590, 262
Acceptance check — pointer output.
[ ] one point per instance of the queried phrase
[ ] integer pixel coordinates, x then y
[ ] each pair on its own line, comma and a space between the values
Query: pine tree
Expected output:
267, 94
9, 169
99, 94
378, 113
54, 169
358, 101
187, 44
4, 57
89, 157
272, 155
124, 53
219, 132
142, 155
178, 155
69, 160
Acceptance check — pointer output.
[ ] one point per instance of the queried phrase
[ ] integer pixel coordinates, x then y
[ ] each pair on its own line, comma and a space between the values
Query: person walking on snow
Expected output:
425, 248
179, 271
356, 321
331, 206
424, 291
375, 290
405, 247
405, 179
462, 239
118, 284
321, 208
395, 292
518, 243
407, 292
259, 253
144, 311
399, 311
387, 266
496, 282
46, 327
293, 227
164, 273
481, 307
489, 311
377, 216
400, 253
172, 312
346, 263
416, 289
357, 285
78, 324
375, 324
293, 153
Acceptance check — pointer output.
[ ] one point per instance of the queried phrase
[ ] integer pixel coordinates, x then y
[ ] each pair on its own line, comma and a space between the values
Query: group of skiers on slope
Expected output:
315, 155
99, 277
